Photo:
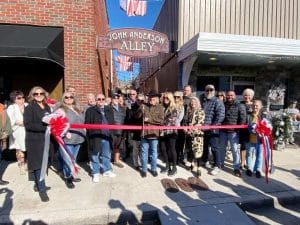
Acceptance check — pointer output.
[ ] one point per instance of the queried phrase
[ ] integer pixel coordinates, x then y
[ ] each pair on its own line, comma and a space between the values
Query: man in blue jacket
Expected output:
214, 115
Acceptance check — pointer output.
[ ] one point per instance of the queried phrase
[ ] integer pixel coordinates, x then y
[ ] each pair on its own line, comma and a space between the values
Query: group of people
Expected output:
185, 145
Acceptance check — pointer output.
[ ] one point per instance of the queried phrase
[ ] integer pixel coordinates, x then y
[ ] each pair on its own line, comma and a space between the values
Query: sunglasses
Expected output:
69, 97
19, 98
38, 94
100, 99
209, 90
176, 96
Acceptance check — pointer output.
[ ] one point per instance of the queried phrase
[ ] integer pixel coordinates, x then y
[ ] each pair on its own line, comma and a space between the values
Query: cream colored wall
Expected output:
181, 20
272, 18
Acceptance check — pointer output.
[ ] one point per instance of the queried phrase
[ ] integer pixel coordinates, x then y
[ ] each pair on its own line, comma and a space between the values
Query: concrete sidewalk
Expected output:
130, 198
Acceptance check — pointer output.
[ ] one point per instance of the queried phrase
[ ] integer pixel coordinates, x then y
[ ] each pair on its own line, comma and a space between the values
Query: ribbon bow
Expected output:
57, 126
263, 129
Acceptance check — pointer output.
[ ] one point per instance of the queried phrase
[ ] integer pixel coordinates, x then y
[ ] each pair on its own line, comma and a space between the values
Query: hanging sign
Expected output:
135, 42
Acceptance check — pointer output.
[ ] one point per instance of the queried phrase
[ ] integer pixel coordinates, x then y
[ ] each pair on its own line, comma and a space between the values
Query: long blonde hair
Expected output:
65, 107
179, 105
33, 90
170, 96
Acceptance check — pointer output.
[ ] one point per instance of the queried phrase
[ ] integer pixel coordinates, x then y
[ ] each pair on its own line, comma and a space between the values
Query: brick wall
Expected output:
82, 20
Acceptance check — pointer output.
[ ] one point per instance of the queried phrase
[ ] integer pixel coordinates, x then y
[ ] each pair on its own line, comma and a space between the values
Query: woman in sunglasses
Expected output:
221, 96
35, 135
178, 98
172, 117
74, 137
17, 139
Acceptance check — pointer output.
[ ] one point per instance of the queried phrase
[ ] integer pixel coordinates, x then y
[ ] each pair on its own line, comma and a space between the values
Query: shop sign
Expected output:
135, 42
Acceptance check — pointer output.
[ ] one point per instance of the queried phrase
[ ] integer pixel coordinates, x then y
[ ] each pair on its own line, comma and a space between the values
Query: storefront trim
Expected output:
229, 43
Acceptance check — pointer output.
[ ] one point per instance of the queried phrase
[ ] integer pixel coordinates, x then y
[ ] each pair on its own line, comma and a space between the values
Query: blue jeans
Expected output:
73, 150
233, 138
41, 186
217, 150
250, 150
105, 156
149, 146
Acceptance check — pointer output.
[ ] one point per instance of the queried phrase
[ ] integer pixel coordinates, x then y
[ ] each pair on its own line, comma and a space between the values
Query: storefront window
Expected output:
220, 82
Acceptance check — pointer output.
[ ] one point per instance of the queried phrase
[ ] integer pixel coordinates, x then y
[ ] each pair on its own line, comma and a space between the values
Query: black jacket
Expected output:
116, 117
93, 115
235, 114
35, 134
134, 116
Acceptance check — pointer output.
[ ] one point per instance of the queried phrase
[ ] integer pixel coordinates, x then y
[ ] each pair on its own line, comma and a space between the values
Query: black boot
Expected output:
36, 189
173, 171
3, 182
165, 169
69, 183
44, 197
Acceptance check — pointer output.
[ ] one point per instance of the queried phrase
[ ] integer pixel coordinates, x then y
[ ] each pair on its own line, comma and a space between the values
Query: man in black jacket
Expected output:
235, 114
99, 140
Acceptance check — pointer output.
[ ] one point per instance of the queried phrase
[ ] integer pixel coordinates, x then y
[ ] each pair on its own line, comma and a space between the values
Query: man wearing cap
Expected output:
214, 115
153, 115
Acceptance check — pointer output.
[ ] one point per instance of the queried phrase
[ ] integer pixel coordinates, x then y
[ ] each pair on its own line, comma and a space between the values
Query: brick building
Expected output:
52, 43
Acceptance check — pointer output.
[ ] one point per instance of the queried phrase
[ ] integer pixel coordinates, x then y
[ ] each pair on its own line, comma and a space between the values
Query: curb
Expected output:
277, 199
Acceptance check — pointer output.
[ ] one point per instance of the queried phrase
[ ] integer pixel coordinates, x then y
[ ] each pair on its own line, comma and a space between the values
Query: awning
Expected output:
23, 41
219, 49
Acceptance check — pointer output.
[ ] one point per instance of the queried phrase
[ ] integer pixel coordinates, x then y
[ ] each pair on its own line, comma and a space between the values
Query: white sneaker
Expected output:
188, 164
215, 171
96, 178
194, 169
109, 174
207, 165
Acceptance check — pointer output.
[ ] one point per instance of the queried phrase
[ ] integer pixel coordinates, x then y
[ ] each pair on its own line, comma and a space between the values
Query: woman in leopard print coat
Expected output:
194, 137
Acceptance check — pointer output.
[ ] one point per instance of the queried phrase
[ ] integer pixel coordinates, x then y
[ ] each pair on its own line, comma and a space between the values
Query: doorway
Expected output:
23, 74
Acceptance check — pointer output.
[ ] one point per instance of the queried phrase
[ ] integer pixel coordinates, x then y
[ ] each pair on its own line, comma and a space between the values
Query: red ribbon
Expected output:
58, 126
264, 131
130, 127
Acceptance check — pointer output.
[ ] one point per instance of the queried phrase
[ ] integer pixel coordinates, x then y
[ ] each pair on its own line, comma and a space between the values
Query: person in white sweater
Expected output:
15, 112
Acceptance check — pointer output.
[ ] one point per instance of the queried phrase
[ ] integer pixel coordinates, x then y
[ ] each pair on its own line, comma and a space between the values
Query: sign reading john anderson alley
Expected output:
135, 42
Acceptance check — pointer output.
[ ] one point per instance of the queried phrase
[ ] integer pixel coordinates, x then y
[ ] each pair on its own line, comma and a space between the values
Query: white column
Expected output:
187, 67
